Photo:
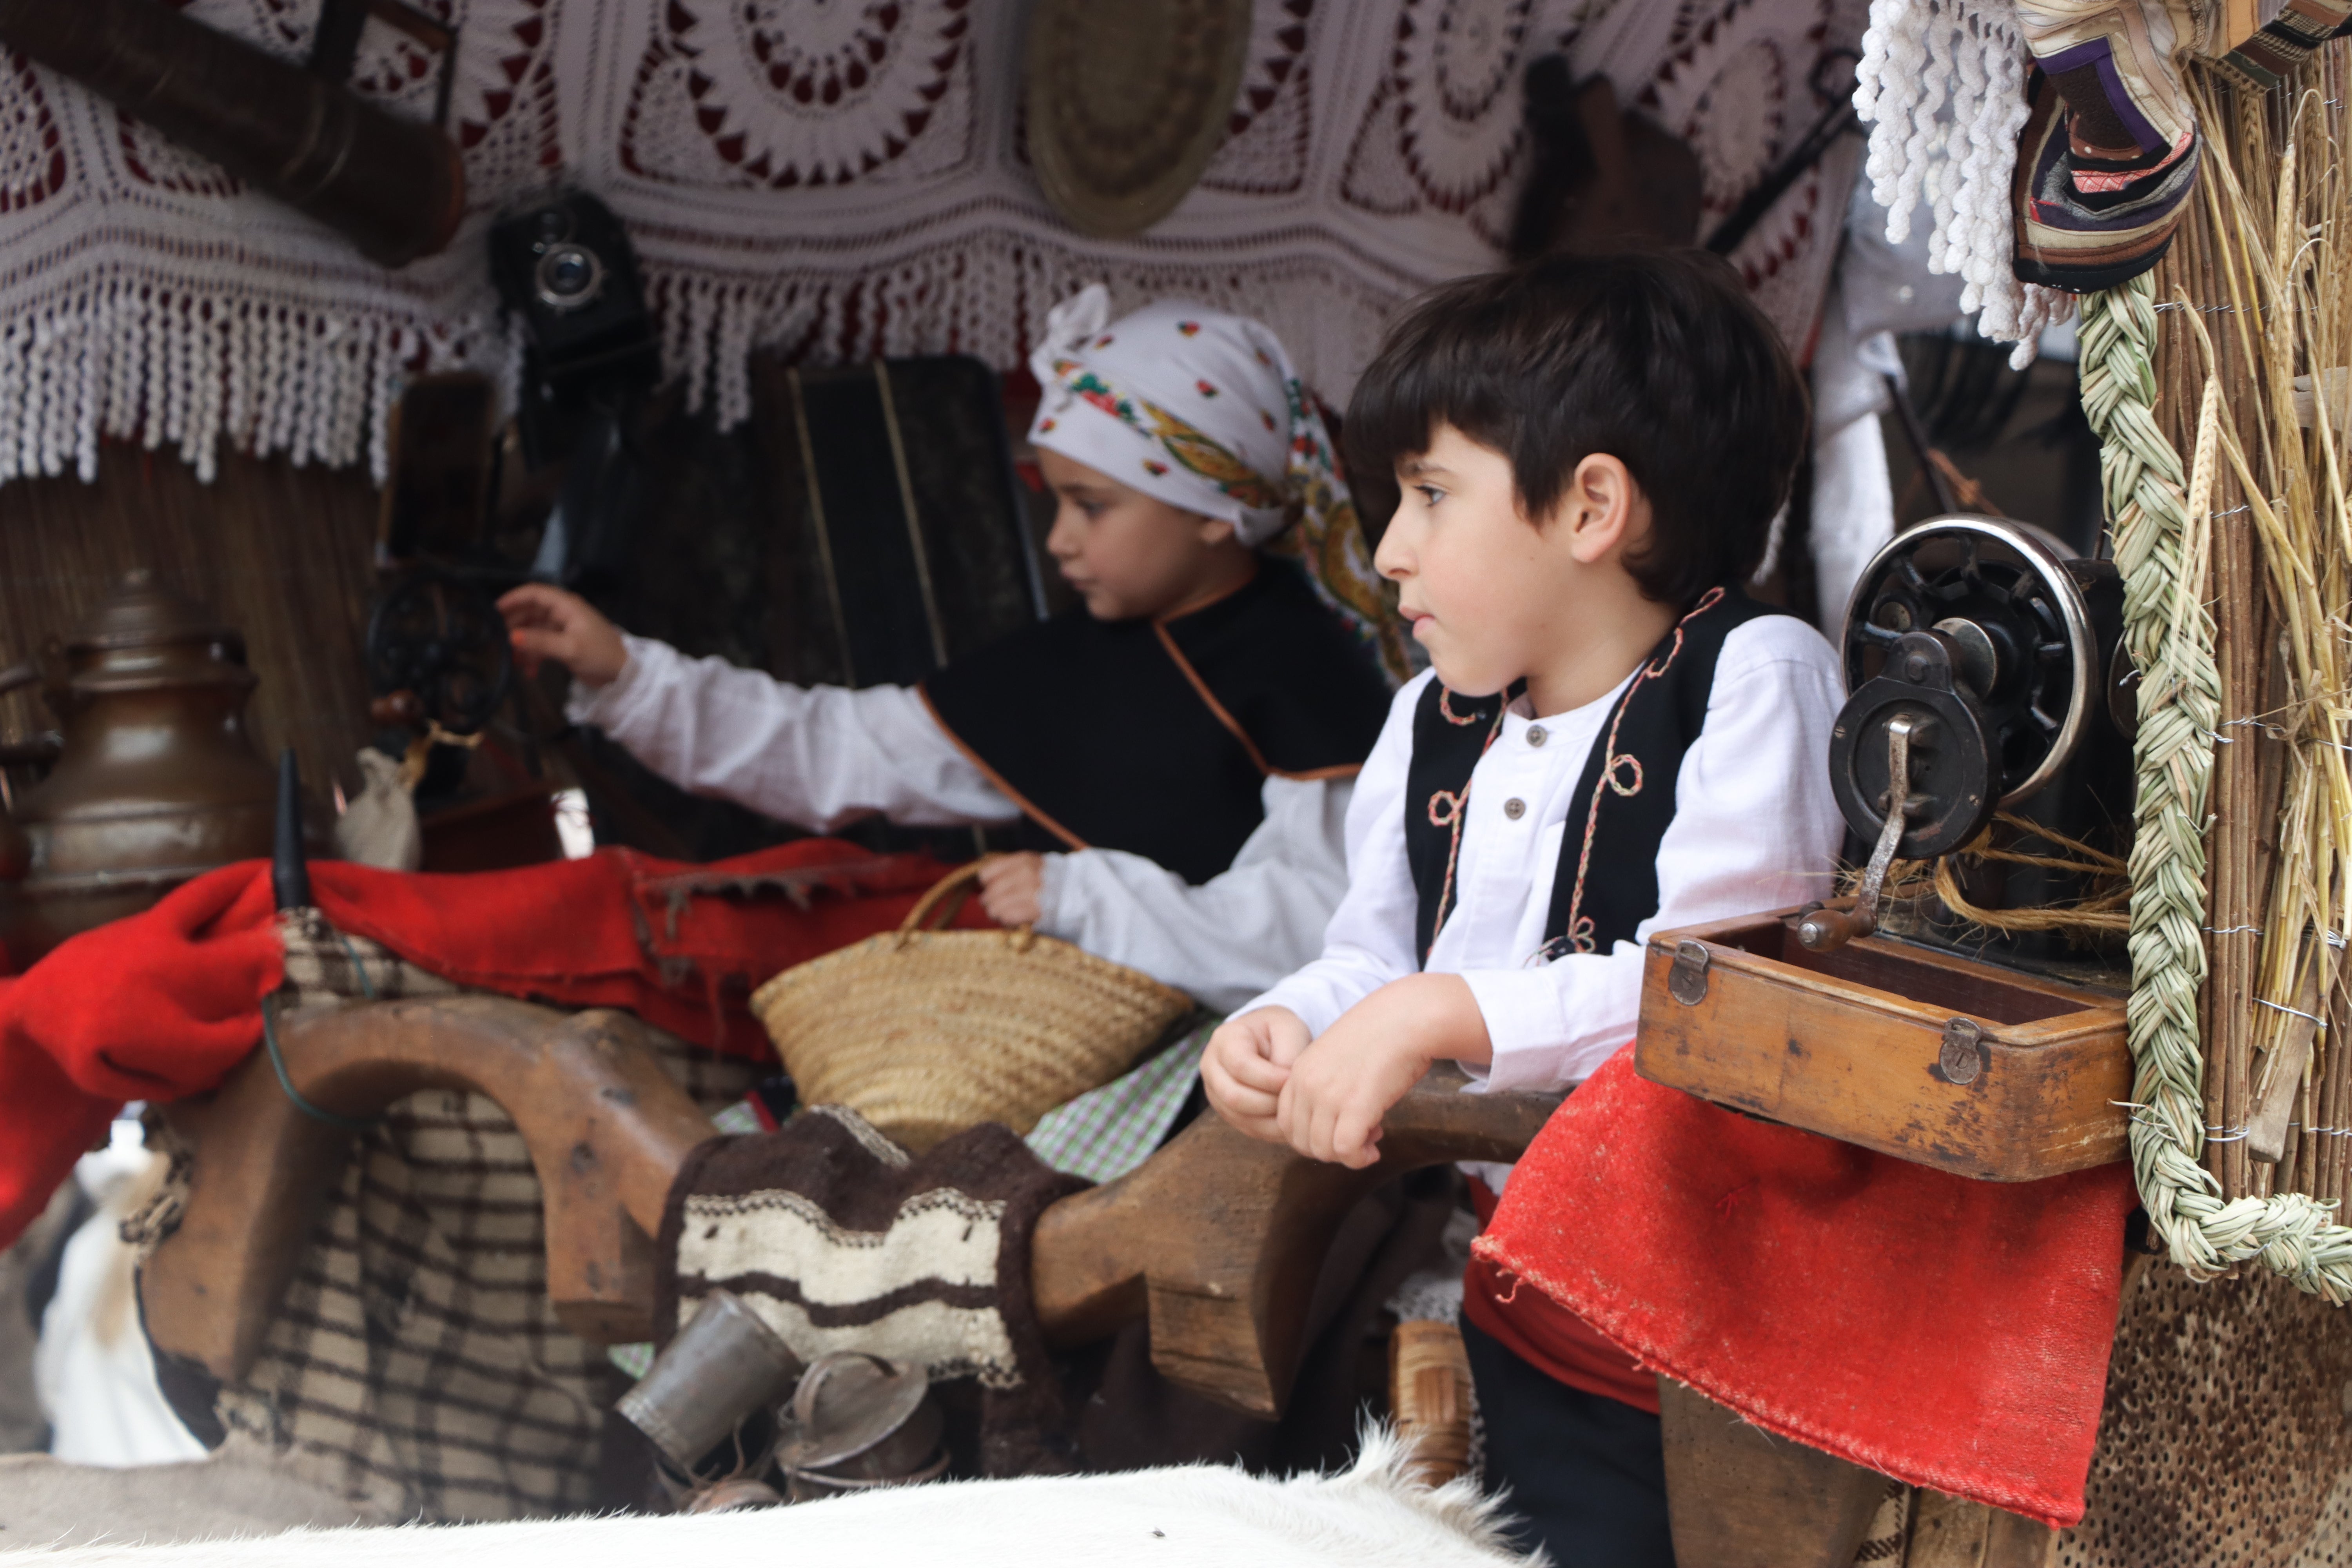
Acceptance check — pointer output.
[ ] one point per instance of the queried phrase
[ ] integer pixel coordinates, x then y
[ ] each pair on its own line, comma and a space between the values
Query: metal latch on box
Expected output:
1962, 1056
1687, 981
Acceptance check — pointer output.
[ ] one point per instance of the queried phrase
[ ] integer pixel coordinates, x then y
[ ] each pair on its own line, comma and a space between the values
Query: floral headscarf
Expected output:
1202, 410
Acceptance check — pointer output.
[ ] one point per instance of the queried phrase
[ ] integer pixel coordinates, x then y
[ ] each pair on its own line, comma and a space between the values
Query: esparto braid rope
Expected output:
2171, 633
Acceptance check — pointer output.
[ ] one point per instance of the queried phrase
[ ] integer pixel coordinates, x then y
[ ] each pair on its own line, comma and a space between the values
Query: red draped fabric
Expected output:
164, 1003
1951, 1333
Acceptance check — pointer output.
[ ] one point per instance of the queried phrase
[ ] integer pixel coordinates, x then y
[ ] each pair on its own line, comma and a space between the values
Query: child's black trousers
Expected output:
1587, 1474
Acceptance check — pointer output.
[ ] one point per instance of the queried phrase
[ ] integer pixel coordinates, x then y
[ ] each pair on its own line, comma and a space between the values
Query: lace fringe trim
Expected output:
128, 354
136, 354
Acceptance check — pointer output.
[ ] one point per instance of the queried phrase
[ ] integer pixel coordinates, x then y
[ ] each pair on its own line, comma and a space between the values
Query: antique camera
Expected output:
564, 268
1989, 678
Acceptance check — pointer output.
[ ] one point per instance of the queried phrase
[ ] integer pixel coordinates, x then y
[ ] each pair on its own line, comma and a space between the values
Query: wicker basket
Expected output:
925, 1032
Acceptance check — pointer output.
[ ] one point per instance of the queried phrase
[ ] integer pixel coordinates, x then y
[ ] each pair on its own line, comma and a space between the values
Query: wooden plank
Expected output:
1220, 1238
1739, 1496
1864, 1064
605, 1126
1953, 1532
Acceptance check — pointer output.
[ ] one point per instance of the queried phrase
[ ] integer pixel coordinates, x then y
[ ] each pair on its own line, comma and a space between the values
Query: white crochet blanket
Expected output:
837, 178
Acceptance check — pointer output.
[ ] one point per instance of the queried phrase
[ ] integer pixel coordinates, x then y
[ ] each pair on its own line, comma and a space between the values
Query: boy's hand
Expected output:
544, 622
1246, 1064
1012, 887
1344, 1083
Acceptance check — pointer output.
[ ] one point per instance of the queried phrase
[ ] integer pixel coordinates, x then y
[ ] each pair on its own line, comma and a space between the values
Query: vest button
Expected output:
1515, 808
1538, 735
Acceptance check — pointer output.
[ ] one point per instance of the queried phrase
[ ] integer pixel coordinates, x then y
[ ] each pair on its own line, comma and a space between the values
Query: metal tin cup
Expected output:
858, 1422
721, 1365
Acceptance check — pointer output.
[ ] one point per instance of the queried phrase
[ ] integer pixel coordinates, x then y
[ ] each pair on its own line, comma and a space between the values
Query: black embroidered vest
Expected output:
1607, 882
1157, 737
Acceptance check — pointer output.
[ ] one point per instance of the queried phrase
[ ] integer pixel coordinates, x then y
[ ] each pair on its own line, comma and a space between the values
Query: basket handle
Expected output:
956, 885
945, 901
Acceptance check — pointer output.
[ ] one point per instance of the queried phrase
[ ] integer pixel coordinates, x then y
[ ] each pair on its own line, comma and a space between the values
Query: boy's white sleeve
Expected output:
1236, 934
816, 756
1369, 940
1755, 828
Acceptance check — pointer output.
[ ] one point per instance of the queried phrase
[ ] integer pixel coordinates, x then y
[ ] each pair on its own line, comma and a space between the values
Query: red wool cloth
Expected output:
1949, 1333
164, 1003
1547, 1335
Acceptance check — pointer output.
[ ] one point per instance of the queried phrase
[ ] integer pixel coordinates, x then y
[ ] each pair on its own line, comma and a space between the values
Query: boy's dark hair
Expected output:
1658, 359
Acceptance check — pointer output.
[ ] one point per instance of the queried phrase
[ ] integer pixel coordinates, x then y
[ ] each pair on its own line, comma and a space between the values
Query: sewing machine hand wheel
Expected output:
1975, 637
442, 640
1970, 619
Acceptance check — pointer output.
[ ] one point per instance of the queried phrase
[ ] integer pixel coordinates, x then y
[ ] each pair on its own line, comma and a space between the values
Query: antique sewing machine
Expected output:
1963, 1006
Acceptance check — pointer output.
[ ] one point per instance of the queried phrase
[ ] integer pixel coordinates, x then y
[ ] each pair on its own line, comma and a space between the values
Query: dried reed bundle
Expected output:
2277, 222
2258, 295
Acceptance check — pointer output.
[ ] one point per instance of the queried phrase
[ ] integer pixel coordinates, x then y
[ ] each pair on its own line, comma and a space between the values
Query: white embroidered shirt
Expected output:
1754, 828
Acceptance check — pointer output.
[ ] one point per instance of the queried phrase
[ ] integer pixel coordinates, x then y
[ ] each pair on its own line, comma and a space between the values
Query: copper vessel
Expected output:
156, 780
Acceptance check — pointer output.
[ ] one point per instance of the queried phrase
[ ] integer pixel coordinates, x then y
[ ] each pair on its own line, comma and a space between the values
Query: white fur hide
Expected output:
1373, 1516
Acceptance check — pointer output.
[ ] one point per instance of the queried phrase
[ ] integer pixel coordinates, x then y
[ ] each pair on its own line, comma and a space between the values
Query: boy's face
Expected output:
1127, 554
1493, 597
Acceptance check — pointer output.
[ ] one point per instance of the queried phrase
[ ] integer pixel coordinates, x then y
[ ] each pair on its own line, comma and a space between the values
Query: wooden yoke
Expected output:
1218, 1237
605, 1126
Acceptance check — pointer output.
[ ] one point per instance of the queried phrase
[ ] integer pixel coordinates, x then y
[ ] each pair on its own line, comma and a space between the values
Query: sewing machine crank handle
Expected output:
1825, 929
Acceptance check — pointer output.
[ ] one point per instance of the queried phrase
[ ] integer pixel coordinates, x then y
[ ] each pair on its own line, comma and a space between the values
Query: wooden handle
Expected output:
1826, 929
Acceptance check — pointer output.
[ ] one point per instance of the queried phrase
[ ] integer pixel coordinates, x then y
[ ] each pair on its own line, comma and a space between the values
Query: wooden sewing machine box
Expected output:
1909, 1050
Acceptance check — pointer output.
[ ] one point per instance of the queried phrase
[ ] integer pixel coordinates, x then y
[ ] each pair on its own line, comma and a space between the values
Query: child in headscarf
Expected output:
1176, 759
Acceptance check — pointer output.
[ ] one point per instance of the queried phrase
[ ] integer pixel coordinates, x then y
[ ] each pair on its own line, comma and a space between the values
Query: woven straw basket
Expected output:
925, 1032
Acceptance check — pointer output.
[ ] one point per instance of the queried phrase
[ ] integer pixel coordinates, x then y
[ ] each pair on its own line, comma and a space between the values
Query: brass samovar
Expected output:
156, 778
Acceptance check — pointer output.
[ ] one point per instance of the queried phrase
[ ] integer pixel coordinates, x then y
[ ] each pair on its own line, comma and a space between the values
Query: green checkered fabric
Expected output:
1106, 1133
739, 1118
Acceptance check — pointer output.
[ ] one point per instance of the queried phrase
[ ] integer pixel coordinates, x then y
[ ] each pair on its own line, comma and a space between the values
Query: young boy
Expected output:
1612, 740
1185, 747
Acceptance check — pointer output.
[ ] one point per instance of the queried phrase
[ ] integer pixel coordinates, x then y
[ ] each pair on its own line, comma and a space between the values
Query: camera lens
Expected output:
569, 273
569, 276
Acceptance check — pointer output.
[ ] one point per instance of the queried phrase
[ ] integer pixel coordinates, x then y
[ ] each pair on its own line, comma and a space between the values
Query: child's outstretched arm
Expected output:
1367, 945
817, 756
1227, 941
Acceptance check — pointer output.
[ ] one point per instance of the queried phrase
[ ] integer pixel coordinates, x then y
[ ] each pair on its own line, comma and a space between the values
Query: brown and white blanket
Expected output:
839, 1240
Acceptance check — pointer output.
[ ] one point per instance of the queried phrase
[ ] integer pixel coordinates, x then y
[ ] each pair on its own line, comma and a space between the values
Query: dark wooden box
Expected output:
1920, 1054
